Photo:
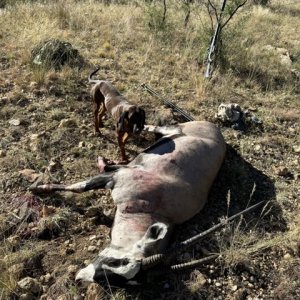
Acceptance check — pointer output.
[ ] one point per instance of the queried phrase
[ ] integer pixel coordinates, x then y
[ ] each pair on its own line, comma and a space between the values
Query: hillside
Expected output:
46, 131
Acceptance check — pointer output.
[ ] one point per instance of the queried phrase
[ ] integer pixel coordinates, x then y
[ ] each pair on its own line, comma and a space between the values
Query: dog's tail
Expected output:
91, 75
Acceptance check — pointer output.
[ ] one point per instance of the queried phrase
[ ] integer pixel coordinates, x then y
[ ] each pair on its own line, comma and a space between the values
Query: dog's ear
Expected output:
123, 117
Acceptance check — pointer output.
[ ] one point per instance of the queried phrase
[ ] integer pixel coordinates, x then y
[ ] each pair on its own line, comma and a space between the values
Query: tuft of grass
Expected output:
39, 74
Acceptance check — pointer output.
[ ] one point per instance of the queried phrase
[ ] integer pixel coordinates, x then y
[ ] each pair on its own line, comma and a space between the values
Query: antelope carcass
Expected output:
166, 184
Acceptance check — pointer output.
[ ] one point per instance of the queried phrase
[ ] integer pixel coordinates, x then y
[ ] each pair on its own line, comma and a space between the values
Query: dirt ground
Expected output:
46, 132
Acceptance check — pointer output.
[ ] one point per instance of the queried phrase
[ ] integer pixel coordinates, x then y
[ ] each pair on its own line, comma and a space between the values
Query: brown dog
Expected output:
130, 118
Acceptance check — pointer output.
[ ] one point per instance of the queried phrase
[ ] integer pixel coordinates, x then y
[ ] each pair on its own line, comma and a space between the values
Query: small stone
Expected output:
234, 288
92, 248
67, 123
94, 292
250, 285
257, 147
72, 269
296, 149
14, 122
81, 144
48, 277
45, 288
92, 237
287, 256
30, 285
33, 84
218, 284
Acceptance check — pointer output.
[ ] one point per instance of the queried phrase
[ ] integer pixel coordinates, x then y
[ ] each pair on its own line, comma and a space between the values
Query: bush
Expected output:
55, 54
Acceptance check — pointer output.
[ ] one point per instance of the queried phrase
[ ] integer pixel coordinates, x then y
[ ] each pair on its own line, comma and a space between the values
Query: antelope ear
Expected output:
123, 117
155, 238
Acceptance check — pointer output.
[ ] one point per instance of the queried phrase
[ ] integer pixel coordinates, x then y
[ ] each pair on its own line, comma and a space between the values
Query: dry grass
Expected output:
129, 52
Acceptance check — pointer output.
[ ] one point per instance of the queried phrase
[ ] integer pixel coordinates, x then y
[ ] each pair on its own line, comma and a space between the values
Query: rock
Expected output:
234, 288
33, 84
67, 123
296, 149
257, 147
14, 122
92, 248
72, 269
30, 285
287, 256
48, 277
218, 284
92, 237
199, 279
94, 292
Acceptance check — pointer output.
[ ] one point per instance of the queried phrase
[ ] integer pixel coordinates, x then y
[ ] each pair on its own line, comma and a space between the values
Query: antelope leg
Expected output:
101, 181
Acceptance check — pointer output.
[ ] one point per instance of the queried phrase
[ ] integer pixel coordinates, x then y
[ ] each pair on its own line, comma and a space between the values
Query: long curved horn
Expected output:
194, 263
162, 270
197, 237
152, 261
155, 259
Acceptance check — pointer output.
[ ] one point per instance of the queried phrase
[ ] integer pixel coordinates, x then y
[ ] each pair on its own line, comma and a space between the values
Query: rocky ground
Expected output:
46, 131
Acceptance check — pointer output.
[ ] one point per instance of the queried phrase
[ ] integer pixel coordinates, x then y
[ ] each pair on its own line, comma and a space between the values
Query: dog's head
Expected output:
132, 120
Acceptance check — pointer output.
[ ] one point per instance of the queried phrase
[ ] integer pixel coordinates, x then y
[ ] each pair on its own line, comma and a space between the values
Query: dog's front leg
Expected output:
96, 113
122, 138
